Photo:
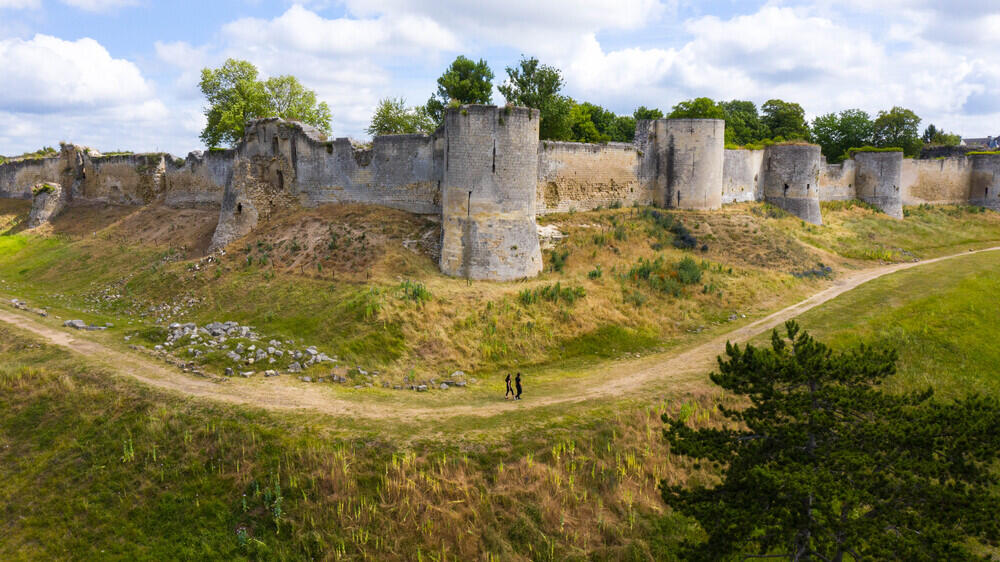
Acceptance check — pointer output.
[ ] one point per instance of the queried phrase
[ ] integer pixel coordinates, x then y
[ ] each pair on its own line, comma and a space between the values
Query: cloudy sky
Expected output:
122, 74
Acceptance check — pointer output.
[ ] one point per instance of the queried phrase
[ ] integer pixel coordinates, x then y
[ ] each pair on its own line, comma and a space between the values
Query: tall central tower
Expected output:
488, 193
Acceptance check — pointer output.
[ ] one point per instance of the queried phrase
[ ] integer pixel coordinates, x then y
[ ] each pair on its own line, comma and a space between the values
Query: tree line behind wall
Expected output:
235, 94
536, 85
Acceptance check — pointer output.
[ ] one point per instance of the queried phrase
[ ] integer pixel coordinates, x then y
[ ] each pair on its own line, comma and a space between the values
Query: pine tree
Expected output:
820, 464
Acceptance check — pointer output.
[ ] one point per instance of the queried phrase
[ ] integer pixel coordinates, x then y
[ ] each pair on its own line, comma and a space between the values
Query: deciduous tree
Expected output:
898, 127
392, 117
536, 85
235, 95
786, 120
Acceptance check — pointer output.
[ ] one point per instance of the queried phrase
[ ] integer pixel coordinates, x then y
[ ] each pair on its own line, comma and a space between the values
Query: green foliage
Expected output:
821, 464
536, 85
743, 124
44, 188
784, 119
643, 112
414, 291
663, 277
583, 123
934, 136
852, 151
557, 258
665, 223
836, 133
898, 127
551, 293
463, 82
983, 153
698, 108
235, 95
595, 273
44, 152
393, 118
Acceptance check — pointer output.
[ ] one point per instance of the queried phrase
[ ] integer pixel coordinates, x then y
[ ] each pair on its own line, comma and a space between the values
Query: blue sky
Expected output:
122, 74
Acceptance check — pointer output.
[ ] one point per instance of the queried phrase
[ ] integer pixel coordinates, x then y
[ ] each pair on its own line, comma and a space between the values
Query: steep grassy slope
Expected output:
136, 473
361, 283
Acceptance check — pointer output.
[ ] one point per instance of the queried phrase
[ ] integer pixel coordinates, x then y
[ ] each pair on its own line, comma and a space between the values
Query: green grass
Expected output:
943, 319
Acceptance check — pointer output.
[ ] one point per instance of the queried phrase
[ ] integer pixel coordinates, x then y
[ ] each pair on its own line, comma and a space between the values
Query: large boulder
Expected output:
48, 200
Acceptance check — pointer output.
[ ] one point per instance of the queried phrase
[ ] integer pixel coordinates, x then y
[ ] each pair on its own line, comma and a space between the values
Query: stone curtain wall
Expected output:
583, 177
836, 181
878, 180
17, 178
945, 181
986, 180
741, 176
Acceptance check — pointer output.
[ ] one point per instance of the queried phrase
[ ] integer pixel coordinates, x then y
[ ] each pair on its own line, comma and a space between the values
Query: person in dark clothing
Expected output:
517, 383
510, 391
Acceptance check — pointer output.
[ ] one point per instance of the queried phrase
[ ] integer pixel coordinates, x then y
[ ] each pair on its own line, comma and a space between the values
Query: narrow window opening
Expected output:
786, 190
494, 156
468, 206
274, 146
807, 187
281, 180
329, 148
678, 198
239, 208
755, 178
987, 192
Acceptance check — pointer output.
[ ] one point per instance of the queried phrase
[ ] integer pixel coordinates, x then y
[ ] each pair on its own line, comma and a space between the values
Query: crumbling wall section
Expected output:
131, 179
17, 178
741, 176
583, 177
938, 181
199, 179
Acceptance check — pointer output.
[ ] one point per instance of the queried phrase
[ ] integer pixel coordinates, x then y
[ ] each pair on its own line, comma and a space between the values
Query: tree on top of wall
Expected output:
838, 133
536, 85
783, 119
698, 108
392, 117
235, 95
643, 112
464, 81
898, 127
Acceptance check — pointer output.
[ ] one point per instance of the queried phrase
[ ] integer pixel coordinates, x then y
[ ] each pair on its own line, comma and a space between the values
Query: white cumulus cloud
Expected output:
99, 5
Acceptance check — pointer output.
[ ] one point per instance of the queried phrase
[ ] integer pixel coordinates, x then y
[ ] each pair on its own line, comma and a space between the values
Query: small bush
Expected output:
558, 259
414, 291
688, 271
595, 273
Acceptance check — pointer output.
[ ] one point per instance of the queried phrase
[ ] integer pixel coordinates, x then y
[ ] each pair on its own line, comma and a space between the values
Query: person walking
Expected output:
510, 391
517, 383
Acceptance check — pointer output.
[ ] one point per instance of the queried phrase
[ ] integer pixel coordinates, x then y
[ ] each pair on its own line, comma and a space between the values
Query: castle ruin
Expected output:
486, 175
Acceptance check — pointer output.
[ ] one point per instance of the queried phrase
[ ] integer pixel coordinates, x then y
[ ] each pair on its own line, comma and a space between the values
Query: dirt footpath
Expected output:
683, 369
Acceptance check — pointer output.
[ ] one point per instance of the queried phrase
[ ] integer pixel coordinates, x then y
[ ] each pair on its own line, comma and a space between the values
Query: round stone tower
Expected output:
791, 179
878, 176
985, 180
691, 155
488, 225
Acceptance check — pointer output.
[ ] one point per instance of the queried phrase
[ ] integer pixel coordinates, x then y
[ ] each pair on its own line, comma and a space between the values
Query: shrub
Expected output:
558, 259
414, 291
44, 188
688, 271
681, 236
595, 273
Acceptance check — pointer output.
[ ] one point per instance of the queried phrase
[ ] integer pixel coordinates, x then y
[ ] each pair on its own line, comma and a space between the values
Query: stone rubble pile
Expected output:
21, 305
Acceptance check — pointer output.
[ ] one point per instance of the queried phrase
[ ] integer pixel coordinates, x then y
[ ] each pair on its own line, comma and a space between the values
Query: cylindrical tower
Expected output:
878, 176
791, 179
985, 180
691, 154
488, 194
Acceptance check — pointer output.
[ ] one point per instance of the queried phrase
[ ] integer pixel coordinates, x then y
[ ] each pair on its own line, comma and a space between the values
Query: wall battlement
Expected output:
485, 173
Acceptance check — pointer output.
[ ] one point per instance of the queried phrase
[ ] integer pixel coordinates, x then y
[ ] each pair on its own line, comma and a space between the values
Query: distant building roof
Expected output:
976, 142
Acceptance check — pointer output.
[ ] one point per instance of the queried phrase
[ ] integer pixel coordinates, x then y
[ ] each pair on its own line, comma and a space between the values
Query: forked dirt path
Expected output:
683, 370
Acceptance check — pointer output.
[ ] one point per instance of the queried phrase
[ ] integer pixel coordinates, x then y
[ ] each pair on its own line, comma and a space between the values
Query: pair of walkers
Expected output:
510, 391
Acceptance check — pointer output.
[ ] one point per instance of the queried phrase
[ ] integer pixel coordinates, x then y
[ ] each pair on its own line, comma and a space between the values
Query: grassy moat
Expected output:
96, 465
